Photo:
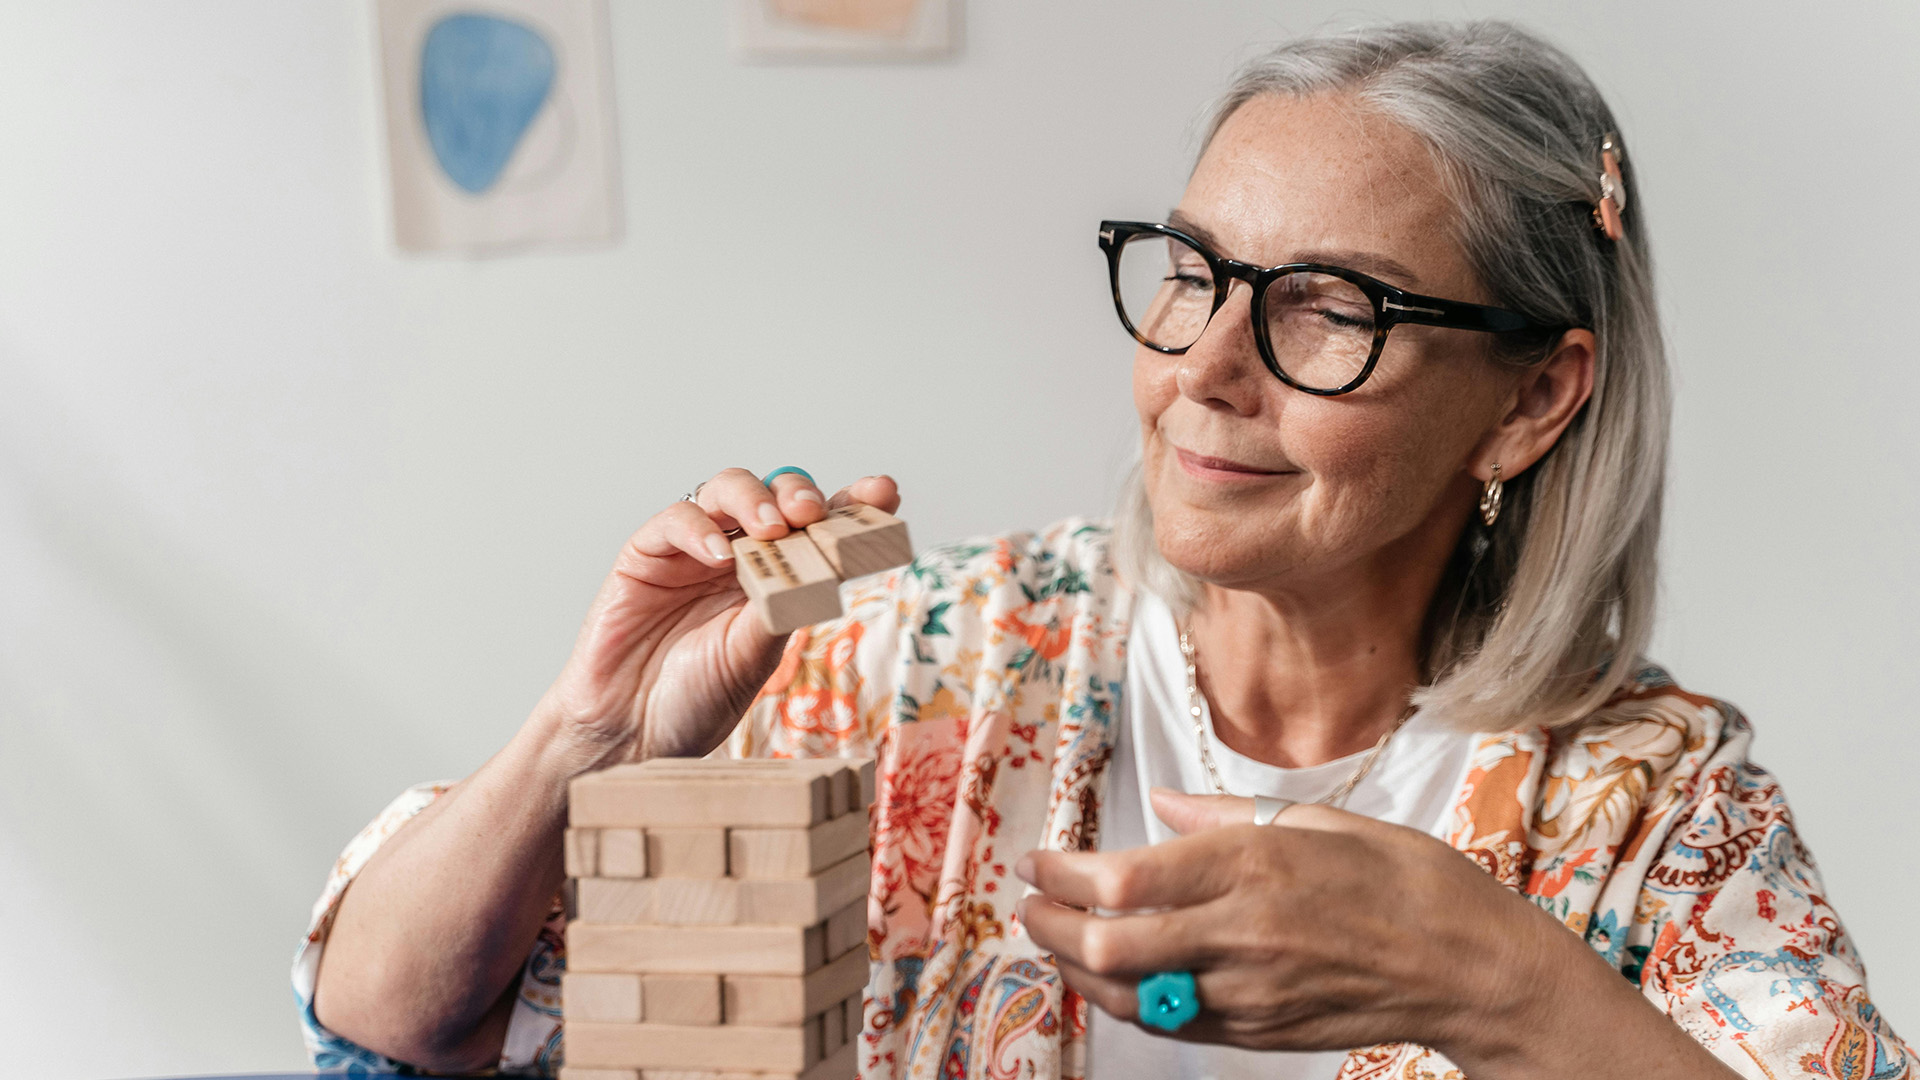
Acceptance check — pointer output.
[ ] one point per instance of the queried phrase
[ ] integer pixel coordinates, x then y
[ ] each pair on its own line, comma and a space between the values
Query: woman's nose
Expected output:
1222, 369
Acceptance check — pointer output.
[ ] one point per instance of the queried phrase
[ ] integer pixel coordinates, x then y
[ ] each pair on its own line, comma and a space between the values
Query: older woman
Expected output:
1376, 598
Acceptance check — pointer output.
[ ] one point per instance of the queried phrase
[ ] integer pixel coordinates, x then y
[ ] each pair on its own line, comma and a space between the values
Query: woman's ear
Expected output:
1544, 401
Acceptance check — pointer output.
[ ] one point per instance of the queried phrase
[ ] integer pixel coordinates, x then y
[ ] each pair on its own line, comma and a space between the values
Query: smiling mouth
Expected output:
1206, 465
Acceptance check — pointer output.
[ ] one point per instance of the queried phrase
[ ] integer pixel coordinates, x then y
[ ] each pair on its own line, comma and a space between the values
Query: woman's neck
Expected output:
1296, 678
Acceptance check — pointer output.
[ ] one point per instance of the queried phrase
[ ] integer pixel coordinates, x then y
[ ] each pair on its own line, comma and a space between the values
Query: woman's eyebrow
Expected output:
1390, 270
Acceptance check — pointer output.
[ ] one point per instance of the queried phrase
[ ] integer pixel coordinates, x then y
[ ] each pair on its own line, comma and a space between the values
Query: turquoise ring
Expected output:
1168, 999
768, 479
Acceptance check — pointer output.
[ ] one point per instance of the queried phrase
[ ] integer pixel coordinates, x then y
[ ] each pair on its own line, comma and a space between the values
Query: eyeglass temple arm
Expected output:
1457, 314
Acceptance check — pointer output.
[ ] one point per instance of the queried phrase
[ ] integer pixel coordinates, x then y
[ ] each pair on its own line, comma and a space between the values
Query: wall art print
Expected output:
846, 29
499, 124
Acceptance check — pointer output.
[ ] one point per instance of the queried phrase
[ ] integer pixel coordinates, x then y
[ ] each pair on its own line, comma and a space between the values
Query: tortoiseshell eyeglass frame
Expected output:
1391, 306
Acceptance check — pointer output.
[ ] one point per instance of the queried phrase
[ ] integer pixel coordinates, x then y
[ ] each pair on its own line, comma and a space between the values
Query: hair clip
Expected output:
1613, 189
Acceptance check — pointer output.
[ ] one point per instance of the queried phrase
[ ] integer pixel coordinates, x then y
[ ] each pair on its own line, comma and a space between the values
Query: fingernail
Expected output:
719, 548
770, 515
810, 496
1023, 869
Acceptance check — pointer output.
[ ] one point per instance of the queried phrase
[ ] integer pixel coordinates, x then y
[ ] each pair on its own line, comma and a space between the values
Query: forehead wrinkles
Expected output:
1322, 168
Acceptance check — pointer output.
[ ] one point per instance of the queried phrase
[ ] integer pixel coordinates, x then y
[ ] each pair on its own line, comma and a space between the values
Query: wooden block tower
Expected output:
720, 920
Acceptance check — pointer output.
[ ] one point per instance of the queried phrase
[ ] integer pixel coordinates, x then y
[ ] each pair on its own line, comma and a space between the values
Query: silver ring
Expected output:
694, 495
1266, 809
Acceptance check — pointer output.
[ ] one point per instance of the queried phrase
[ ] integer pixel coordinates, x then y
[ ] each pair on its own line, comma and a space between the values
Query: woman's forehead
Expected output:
1289, 178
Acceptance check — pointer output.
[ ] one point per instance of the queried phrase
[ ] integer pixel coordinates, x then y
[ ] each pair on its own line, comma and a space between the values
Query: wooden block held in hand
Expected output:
583, 853
682, 999
759, 793
847, 929
694, 853
858, 540
623, 853
795, 853
610, 998
724, 950
695, 1046
785, 1000
788, 581
807, 901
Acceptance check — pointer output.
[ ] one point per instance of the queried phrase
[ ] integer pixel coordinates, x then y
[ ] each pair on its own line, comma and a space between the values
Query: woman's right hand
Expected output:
669, 657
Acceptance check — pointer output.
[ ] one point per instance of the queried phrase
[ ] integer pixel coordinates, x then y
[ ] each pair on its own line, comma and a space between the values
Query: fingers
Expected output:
1122, 947
1196, 813
800, 502
1180, 872
678, 546
736, 499
879, 492
1118, 998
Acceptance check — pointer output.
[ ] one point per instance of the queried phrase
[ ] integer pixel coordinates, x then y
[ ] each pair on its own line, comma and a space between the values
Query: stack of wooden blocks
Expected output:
720, 920
795, 581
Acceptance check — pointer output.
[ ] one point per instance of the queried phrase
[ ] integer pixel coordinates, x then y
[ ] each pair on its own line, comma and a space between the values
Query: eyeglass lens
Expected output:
1320, 327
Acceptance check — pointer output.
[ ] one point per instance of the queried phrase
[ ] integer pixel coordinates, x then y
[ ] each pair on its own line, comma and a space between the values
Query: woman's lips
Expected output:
1207, 467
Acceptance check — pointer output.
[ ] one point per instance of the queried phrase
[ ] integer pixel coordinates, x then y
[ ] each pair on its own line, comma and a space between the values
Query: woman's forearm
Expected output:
1568, 1012
430, 939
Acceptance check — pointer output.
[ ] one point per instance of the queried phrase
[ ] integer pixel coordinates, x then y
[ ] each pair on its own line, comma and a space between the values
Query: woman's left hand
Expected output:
1329, 931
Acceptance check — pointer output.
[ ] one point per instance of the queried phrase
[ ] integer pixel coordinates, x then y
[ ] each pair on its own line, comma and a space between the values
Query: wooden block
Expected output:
869, 785
759, 793
795, 853
788, 581
856, 1016
575, 1072
847, 929
694, 853
833, 1027
806, 901
583, 853
858, 540
813, 946
620, 901
723, 950
601, 998
843, 1064
623, 853
694, 1046
785, 1000
697, 902
682, 999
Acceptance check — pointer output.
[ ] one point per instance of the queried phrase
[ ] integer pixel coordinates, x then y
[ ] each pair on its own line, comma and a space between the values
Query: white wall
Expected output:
288, 522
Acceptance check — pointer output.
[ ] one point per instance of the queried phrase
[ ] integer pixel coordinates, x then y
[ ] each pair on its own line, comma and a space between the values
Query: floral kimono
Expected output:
985, 676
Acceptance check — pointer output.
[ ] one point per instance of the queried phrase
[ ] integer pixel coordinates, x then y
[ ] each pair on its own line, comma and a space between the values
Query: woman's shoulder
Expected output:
1654, 725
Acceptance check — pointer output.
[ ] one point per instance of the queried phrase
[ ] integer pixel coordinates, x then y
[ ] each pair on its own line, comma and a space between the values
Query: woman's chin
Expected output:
1203, 551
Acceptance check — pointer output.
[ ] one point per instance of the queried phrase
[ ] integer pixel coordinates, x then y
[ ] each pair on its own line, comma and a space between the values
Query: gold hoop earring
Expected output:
1490, 497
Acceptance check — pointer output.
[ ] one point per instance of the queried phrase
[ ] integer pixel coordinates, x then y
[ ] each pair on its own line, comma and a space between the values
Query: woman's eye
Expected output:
1345, 320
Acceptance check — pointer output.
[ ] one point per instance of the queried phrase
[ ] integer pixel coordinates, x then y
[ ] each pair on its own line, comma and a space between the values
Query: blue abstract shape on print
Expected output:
482, 81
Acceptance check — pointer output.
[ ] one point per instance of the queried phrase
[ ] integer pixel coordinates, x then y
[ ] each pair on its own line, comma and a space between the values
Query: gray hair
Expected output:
1542, 617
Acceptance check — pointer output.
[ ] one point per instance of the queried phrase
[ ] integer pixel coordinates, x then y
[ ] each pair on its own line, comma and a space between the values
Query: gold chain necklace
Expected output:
1337, 797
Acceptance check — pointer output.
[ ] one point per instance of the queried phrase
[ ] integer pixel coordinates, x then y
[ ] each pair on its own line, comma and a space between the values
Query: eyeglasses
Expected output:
1319, 328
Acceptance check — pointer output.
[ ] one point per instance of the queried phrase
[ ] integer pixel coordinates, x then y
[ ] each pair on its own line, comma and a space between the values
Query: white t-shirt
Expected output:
1412, 784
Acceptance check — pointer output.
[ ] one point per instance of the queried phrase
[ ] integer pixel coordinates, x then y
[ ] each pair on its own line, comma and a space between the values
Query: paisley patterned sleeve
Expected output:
533, 1032
1734, 937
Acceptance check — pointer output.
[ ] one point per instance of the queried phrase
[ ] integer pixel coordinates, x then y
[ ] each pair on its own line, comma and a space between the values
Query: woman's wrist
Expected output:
560, 748
1532, 975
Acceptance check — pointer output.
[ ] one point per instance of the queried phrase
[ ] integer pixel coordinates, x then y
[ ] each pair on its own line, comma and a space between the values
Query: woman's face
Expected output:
1253, 483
